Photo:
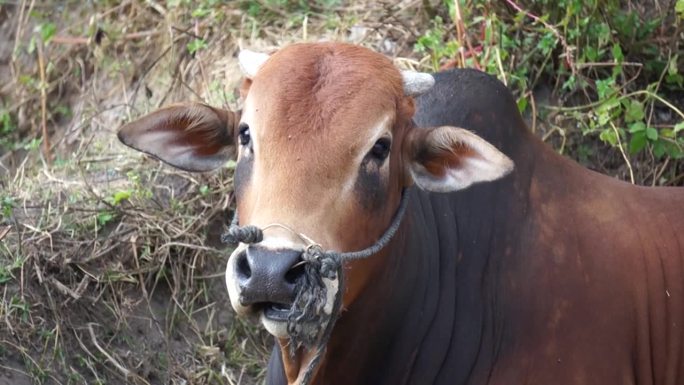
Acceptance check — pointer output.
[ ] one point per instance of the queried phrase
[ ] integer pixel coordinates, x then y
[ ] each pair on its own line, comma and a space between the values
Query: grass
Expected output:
110, 264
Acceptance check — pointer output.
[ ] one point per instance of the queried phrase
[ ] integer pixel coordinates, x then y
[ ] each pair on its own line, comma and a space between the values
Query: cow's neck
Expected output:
435, 301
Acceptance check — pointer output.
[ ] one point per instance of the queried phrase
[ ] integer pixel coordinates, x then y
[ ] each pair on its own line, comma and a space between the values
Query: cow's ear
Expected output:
444, 159
189, 136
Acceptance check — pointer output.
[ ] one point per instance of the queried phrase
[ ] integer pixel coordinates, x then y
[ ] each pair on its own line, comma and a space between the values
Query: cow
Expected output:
511, 264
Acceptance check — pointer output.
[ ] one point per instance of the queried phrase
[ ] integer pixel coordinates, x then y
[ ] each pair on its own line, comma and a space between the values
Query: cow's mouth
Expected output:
276, 311
273, 316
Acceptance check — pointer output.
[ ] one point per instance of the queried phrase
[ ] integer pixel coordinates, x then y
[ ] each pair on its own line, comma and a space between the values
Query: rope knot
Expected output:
245, 234
307, 318
327, 264
309, 323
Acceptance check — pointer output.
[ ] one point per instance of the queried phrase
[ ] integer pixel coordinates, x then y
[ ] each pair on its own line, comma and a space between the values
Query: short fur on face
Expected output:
313, 112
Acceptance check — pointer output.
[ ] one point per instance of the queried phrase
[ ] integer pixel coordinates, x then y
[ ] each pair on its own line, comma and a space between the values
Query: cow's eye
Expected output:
381, 148
244, 134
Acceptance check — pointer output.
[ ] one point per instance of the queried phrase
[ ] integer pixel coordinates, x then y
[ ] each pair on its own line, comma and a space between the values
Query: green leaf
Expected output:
196, 45
570, 83
608, 136
120, 196
200, 13
605, 87
652, 133
678, 127
5, 275
47, 31
33, 144
6, 125
636, 127
672, 67
607, 111
679, 7
667, 133
638, 142
7, 205
659, 149
522, 105
31, 48
634, 111
547, 43
617, 53
104, 218
673, 150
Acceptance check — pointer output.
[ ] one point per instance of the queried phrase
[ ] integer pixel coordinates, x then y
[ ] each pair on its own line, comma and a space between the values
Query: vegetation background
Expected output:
110, 264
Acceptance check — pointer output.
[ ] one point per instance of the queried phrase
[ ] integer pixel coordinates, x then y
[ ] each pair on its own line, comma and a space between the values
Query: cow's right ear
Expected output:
444, 159
189, 136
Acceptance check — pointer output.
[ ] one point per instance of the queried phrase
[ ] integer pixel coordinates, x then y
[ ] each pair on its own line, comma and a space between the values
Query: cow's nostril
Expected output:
244, 271
268, 276
295, 272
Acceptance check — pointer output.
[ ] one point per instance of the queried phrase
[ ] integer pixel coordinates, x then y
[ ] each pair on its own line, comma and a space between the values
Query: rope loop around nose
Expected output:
245, 234
309, 320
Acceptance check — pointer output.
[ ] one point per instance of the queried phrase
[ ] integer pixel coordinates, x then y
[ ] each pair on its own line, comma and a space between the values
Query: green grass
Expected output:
611, 66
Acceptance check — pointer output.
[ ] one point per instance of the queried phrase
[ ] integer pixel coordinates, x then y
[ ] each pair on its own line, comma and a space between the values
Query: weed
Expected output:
20, 308
433, 43
7, 203
196, 45
6, 271
594, 53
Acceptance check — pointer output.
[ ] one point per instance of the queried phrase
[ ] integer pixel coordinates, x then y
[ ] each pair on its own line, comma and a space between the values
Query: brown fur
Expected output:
313, 106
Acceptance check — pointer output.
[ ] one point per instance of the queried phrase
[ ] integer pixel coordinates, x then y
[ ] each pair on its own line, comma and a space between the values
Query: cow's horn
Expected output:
417, 83
251, 61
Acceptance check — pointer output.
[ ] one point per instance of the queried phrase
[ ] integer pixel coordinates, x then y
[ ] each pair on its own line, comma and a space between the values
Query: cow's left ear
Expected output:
189, 136
443, 159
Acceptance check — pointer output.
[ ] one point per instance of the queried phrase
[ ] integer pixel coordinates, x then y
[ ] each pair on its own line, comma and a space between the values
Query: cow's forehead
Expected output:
323, 87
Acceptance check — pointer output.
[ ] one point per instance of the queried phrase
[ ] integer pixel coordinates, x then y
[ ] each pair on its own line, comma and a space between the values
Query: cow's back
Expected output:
584, 279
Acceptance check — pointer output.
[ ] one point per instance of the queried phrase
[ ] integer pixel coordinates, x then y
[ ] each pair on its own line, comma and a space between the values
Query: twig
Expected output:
43, 103
499, 64
62, 288
18, 33
4, 230
622, 151
198, 56
562, 134
127, 373
658, 174
76, 40
533, 104
607, 64
463, 36
629, 95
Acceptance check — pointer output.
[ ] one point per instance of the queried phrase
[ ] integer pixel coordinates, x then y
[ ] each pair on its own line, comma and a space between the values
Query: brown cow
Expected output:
552, 274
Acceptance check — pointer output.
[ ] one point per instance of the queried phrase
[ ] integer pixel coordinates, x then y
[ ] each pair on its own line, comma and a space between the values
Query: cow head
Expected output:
325, 144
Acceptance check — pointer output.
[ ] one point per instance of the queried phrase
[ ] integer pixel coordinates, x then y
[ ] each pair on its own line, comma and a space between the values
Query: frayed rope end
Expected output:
246, 234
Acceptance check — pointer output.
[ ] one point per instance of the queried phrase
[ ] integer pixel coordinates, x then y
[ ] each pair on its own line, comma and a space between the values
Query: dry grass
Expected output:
110, 264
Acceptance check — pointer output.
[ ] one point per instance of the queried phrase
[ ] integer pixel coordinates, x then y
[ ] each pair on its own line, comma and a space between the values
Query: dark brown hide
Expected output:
552, 275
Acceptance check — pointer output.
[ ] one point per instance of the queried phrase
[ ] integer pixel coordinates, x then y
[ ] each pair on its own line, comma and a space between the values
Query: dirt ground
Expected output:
111, 264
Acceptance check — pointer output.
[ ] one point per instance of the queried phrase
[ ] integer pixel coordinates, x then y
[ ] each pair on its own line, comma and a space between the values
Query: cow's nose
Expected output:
268, 276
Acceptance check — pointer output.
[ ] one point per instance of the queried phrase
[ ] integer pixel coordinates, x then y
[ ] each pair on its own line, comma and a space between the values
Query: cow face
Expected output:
325, 144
